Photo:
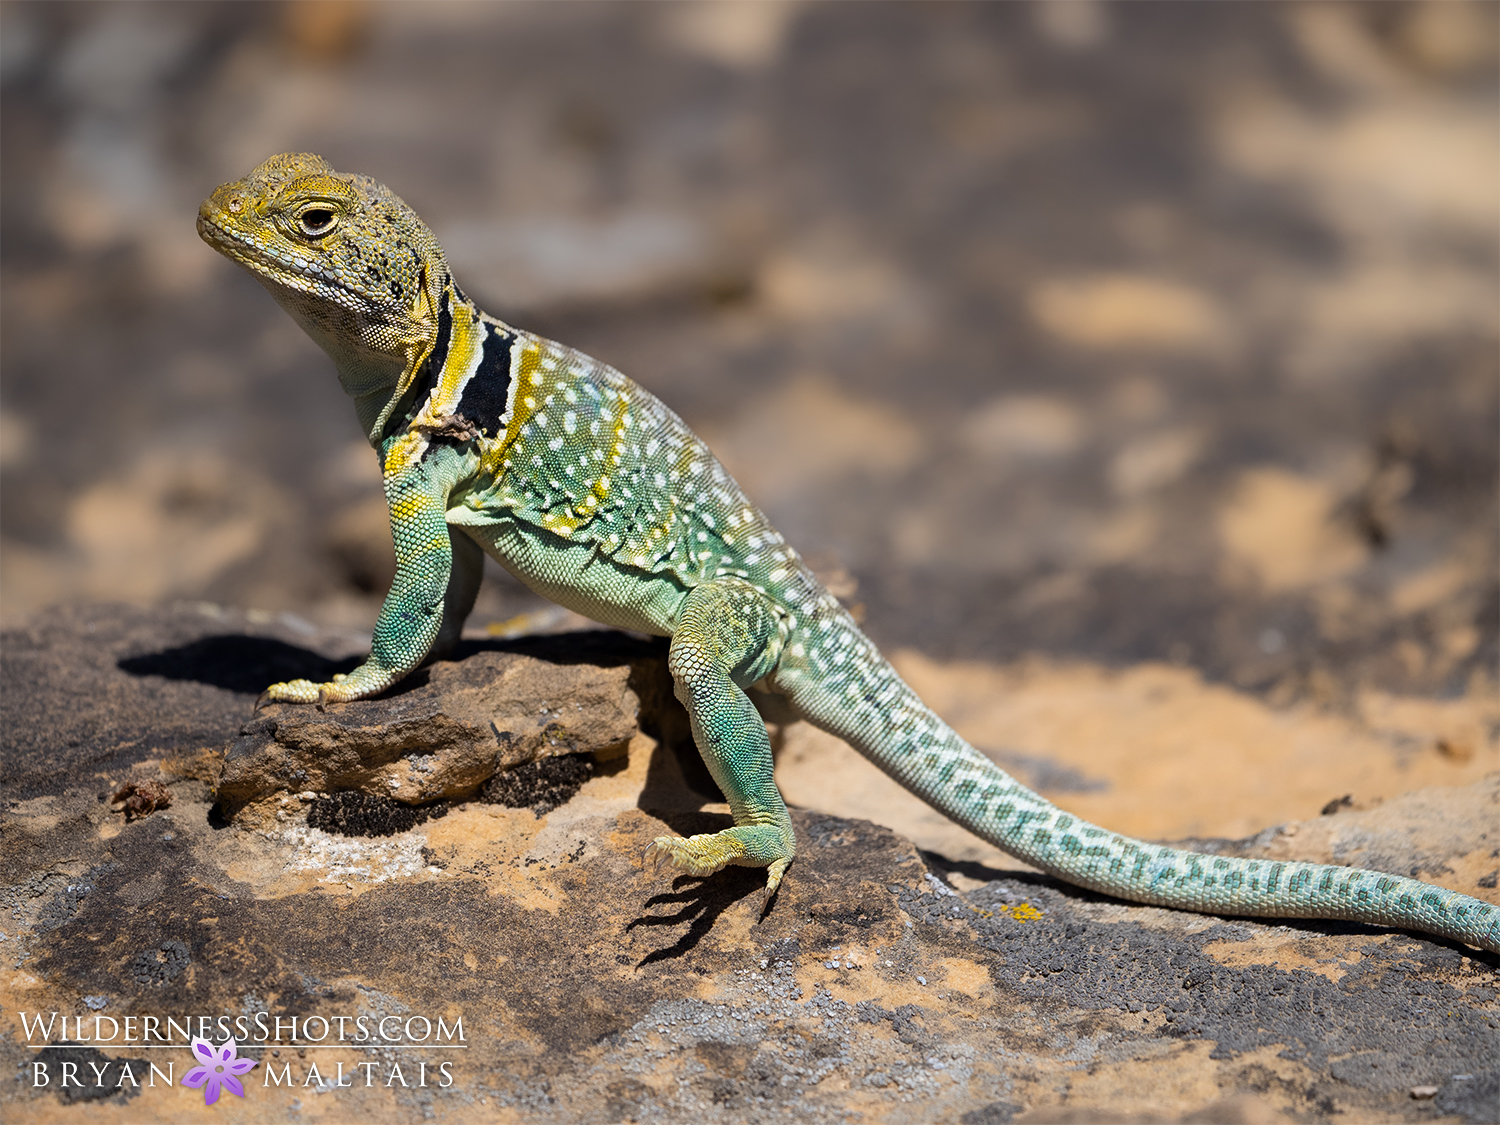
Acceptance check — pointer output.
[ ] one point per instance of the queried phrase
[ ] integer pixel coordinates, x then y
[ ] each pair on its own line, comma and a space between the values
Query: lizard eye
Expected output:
317, 220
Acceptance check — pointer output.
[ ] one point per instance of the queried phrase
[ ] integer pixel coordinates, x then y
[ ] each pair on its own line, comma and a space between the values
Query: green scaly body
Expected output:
594, 494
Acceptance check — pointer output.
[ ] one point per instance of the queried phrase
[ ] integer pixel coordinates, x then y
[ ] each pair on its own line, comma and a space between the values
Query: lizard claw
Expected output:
261, 700
773, 876
656, 851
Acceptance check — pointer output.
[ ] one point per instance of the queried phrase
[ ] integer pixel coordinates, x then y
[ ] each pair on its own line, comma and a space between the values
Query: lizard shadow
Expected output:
700, 902
237, 662
245, 663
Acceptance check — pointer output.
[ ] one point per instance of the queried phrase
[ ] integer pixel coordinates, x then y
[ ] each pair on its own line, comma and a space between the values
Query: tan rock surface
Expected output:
591, 989
442, 735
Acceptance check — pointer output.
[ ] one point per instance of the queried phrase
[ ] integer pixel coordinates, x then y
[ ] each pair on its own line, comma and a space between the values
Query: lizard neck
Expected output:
371, 376
376, 394
429, 380
390, 370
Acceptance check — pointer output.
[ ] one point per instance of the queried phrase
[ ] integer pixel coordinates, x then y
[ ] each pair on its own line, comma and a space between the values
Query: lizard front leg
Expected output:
413, 612
729, 636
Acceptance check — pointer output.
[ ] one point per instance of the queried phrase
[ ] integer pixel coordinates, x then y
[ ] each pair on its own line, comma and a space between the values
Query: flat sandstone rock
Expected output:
590, 988
450, 729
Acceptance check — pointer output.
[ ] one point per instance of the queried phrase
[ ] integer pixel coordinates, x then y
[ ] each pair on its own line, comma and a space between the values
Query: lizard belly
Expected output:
576, 575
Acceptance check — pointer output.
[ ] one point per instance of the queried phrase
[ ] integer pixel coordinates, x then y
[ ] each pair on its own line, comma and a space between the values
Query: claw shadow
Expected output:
702, 900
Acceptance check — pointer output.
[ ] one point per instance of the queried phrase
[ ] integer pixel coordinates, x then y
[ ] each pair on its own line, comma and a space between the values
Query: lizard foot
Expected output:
758, 845
305, 691
692, 855
362, 683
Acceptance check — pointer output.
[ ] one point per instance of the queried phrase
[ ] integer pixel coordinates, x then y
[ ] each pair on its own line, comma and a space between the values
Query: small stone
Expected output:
142, 798
1421, 1092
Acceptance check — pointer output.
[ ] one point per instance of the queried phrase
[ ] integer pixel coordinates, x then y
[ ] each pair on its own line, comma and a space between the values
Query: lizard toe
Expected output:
698, 855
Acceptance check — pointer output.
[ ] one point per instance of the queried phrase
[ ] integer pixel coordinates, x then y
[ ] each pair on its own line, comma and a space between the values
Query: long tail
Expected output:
863, 701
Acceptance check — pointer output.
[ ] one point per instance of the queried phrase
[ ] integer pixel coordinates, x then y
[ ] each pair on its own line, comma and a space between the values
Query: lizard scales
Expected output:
594, 494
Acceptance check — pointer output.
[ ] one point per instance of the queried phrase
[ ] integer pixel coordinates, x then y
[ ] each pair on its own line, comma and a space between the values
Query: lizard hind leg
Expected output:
728, 636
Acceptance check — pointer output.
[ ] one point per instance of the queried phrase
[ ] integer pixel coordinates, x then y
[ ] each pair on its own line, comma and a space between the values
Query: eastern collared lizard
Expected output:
594, 494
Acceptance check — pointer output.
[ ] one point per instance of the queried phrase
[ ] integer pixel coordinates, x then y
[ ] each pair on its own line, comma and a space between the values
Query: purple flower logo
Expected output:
218, 1069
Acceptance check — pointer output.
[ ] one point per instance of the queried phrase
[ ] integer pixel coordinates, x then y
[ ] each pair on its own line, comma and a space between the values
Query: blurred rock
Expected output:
326, 30
1123, 311
1016, 339
523, 265
744, 34
359, 543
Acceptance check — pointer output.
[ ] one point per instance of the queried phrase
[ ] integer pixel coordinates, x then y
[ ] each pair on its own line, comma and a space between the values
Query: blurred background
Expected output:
1119, 332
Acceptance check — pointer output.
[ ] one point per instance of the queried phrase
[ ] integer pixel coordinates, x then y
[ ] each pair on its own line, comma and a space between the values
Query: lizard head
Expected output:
351, 263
